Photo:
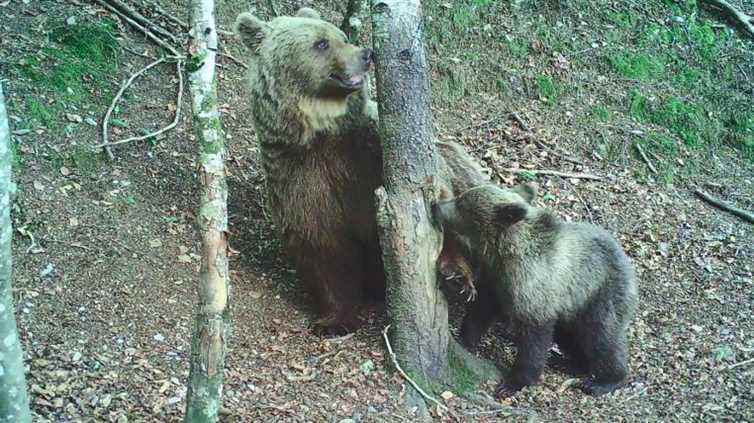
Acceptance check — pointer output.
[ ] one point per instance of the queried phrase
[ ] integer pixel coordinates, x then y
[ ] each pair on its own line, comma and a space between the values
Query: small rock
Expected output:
447, 395
174, 400
47, 270
21, 131
74, 118
158, 337
70, 21
90, 121
65, 171
76, 356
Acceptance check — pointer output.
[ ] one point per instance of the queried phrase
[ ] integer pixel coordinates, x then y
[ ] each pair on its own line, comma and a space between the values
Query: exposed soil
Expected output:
105, 253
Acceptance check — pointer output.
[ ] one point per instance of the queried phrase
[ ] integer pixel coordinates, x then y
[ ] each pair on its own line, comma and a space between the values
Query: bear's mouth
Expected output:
352, 83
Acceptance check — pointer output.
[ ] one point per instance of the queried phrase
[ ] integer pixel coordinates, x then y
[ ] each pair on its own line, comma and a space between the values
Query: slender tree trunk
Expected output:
14, 401
212, 321
410, 243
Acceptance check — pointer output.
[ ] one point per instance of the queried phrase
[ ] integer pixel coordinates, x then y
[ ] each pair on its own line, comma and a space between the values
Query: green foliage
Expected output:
40, 113
637, 66
548, 90
600, 113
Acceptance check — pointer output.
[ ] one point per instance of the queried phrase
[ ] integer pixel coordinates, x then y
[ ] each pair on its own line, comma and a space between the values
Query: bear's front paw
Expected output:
507, 389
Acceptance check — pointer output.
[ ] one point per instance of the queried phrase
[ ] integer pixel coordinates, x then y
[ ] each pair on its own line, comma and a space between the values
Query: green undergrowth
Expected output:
71, 73
666, 74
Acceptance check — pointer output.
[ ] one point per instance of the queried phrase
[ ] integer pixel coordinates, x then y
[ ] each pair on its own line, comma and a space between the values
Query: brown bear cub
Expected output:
570, 283
321, 155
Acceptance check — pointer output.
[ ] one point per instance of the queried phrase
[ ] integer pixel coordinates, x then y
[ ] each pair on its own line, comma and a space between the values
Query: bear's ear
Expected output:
251, 29
306, 12
527, 191
508, 214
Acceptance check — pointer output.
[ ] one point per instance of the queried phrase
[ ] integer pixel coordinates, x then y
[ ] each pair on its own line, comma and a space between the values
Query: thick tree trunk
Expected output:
410, 243
14, 401
212, 321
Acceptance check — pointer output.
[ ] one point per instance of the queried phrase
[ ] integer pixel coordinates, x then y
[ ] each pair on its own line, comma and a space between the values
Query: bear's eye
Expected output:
322, 44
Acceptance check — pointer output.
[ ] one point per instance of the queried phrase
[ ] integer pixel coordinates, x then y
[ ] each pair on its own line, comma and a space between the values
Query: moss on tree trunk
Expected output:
211, 328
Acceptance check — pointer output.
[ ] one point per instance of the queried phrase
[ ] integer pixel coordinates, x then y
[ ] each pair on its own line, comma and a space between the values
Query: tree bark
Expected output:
211, 328
410, 243
14, 401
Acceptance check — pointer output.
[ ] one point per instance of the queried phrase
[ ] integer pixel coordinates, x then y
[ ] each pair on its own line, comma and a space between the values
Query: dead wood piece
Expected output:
235, 60
645, 158
554, 173
159, 41
138, 17
521, 122
746, 21
416, 386
170, 126
722, 205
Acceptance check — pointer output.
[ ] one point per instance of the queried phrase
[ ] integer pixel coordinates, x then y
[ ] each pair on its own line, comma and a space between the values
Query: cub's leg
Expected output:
482, 313
603, 339
533, 342
568, 343
336, 279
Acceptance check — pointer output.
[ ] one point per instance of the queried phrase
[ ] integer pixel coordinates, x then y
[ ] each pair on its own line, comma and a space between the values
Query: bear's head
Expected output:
483, 212
306, 54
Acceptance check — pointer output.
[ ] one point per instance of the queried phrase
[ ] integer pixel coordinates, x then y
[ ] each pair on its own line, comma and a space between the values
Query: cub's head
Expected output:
306, 55
485, 211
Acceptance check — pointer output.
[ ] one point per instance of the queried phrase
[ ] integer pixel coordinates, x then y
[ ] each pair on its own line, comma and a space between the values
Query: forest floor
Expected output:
106, 255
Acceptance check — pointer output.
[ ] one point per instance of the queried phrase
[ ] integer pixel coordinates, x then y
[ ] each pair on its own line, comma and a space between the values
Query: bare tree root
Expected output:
746, 21
722, 205
555, 173
170, 126
440, 406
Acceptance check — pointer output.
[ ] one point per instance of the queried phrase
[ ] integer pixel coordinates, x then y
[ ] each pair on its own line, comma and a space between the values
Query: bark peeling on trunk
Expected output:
212, 321
410, 243
14, 400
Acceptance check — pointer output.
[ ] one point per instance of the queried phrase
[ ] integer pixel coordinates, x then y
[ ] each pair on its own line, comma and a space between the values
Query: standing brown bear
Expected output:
322, 157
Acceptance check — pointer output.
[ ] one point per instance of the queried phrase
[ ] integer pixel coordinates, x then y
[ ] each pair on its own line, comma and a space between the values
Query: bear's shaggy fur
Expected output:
322, 157
567, 282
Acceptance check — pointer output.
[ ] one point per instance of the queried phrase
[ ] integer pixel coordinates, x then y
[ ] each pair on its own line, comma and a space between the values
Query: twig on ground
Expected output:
742, 18
645, 158
138, 17
157, 8
159, 41
630, 397
120, 92
520, 122
170, 126
70, 244
340, 339
741, 363
426, 396
722, 205
554, 173
232, 58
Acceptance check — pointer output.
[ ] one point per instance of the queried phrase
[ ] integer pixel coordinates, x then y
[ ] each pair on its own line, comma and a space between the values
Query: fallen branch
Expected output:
138, 17
521, 122
554, 173
426, 396
741, 363
159, 41
155, 133
234, 59
645, 158
120, 92
742, 18
722, 205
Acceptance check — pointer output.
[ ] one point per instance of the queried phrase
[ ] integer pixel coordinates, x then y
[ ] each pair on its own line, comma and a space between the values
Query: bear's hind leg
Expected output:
604, 341
533, 343
337, 283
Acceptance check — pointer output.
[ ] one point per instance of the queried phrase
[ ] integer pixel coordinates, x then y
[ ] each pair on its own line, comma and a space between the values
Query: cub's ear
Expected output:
527, 191
508, 214
306, 12
252, 30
